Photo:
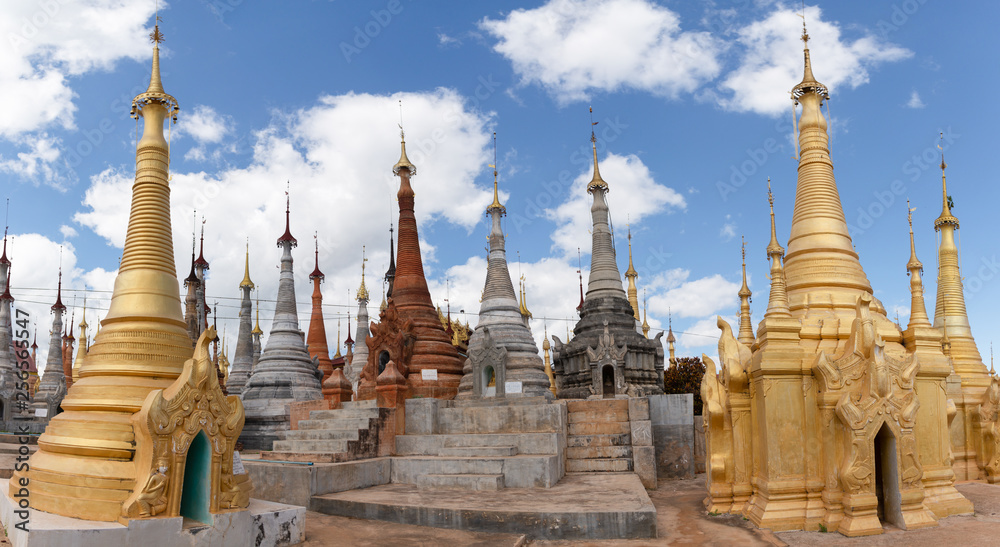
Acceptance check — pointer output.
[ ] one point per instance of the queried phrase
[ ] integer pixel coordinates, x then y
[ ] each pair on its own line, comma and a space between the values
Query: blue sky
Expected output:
693, 111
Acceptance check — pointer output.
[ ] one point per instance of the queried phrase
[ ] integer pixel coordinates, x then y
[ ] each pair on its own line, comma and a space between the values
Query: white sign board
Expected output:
429, 374
41, 412
512, 387
238, 464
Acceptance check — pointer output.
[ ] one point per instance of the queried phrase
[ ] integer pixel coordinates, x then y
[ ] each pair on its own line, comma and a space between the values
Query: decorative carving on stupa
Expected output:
316, 339
285, 372
169, 421
85, 466
838, 438
606, 308
243, 358
409, 332
360, 358
502, 347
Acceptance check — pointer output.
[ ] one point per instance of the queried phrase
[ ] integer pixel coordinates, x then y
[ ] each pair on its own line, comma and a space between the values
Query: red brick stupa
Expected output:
409, 332
316, 339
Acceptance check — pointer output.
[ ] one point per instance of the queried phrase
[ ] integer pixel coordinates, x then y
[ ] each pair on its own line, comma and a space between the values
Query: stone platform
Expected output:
581, 506
264, 524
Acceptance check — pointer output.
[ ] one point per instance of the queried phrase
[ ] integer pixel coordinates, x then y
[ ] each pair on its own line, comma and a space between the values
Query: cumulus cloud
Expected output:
36, 161
634, 194
915, 101
771, 63
573, 48
206, 125
338, 156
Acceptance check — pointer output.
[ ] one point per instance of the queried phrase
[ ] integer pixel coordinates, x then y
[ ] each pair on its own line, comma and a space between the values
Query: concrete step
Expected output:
311, 446
594, 416
597, 405
343, 413
602, 465
321, 434
593, 452
518, 471
465, 481
527, 443
599, 428
622, 439
504, 401
479, 451
10, 448
340, 423
502, 419
370, 403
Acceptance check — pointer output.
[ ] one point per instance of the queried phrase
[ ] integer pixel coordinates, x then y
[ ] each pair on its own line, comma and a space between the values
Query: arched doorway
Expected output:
489, 382
608, 381
196, 495
383, 360
887, 478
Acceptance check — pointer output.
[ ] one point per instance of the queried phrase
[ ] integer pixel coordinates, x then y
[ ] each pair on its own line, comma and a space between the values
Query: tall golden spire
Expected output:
362, 295
631, 274
246, 271
918, 312
546, 347
949, 311
256, 327
746, 336
524, 300
671, 338
84, 466
645, 306
496, 195
778, 301
821, 260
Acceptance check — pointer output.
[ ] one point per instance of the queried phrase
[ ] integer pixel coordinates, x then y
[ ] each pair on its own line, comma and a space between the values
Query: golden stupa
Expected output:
119, 448
832, 417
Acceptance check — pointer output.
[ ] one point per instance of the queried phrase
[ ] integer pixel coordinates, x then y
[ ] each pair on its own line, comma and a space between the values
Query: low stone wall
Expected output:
672, 418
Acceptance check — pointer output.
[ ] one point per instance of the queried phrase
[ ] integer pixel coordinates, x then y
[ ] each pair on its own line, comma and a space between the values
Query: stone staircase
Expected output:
599, 437
348, 433
481, 446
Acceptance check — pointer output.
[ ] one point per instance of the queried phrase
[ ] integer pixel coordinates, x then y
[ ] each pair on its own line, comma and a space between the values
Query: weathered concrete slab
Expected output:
673, 435
569, 510
264, 524
296, 483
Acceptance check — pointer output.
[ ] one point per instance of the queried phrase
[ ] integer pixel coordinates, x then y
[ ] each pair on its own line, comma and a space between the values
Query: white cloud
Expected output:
445, 41
351, 139
67, 232
772, 60
206, 125
36, 163
696, 298
48, 42
575, 47
633, 194
728, 230
915, 101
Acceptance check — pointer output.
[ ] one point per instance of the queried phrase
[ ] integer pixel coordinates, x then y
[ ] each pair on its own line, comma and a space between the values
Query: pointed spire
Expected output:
316, 273
390, 273
524, 300
201, 262
778, 301
547, 359
596, 182
247, 283
3, 258
6, 296
404, 162
362, 295
579, 272
631, 275
256, 327
58, 305
287, 236
670, 337
746, 336
946, 216
809, 82
337, 355
918, 311
348, 342
496, 205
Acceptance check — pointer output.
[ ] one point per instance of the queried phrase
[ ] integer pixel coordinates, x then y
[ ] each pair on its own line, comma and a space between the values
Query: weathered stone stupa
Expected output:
285, 373
52, 386
353, 372
243, 359
502, 350
831, 417
8, 362
607, 356
409, 332
316, 339
119, 450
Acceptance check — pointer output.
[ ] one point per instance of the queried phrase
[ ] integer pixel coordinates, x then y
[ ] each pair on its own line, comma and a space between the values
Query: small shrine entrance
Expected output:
490, 381
887, 478
196, 495
383, 360
608, 381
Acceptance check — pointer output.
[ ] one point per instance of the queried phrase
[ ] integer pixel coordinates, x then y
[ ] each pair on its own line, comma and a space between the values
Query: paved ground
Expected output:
681, 520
